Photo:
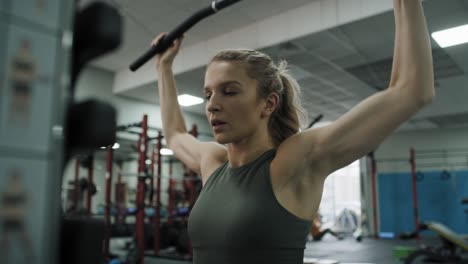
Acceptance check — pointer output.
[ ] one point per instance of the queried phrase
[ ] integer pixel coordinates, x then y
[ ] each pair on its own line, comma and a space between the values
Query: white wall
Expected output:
341, 190
398, 145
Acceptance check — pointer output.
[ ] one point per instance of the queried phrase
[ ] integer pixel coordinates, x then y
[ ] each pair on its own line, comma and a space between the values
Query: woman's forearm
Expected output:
171, 115
412, 65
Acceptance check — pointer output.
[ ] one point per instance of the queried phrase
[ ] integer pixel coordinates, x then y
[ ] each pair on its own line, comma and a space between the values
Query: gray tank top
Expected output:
237, 219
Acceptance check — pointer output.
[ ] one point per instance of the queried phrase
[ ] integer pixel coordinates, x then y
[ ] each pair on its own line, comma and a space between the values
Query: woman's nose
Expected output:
213, 105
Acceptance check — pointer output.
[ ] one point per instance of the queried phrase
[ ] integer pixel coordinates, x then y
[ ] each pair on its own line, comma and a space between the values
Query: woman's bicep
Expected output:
364, 127
187, 149
195, 153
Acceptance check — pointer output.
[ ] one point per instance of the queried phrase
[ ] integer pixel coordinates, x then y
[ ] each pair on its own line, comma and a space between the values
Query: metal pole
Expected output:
415, 192
423, 152
107, 211
118, 193
76, 187
374, 194
157, 207
90, 182
140, 217
170, 204
151, 170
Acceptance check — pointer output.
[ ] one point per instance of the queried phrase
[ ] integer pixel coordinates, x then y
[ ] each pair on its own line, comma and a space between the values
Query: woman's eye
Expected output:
207, 96
230, 93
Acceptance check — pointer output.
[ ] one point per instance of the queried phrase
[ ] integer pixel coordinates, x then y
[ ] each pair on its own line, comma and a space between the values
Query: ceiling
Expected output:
337, 68
145, 19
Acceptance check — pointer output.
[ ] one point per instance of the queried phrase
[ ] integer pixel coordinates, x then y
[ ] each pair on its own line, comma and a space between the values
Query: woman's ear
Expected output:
271, 103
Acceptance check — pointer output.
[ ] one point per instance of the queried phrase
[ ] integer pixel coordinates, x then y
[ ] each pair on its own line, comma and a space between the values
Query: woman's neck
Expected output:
242, 153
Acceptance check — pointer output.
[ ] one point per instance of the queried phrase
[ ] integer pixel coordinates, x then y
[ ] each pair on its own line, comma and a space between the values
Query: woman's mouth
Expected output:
218, 125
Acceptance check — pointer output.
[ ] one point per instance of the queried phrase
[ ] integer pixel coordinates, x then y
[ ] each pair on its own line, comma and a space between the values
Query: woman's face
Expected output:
232, 108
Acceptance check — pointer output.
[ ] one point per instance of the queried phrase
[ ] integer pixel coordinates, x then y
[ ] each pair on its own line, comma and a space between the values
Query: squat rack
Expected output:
143, 174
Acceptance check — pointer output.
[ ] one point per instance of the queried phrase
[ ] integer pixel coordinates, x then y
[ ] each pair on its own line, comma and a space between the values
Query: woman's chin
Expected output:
221, 139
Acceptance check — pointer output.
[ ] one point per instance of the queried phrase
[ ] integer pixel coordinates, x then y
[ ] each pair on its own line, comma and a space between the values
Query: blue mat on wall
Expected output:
438, 200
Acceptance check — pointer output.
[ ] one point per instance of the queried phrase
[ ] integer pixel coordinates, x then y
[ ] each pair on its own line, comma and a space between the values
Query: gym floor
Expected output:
349, 251
369, 251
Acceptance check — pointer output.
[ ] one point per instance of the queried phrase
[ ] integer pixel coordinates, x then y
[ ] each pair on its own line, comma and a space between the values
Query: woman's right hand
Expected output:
167, 57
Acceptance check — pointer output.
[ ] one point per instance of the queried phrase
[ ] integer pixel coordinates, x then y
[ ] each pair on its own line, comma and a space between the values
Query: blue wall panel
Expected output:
438, 200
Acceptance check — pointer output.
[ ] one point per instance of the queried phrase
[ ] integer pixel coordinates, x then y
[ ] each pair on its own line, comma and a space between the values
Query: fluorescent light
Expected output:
166, 152
115, 146
188, 100
452, 36
148, 162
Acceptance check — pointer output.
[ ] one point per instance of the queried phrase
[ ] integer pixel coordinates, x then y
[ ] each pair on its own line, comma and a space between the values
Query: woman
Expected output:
263, 177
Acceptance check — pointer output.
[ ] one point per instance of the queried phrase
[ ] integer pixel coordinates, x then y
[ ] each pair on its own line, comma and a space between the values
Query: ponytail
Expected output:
290, 116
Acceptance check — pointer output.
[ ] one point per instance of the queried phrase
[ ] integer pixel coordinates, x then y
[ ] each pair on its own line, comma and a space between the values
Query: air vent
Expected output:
287, 49
377, 74
454, 120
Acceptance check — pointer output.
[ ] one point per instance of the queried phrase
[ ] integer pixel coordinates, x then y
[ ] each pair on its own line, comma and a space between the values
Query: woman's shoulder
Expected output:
214, 155
298, 149
298, 156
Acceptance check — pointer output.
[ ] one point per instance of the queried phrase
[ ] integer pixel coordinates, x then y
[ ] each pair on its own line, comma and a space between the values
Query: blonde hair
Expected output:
289, 117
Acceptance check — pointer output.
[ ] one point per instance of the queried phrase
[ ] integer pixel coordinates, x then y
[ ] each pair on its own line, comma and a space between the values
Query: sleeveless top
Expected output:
237, 219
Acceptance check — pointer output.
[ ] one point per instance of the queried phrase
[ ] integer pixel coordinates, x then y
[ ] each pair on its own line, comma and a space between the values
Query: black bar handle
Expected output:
167, 41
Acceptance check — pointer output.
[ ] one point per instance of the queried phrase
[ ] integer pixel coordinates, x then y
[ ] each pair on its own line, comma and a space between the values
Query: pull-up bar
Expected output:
431, 151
